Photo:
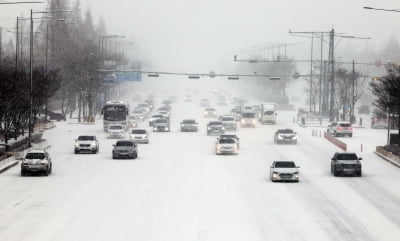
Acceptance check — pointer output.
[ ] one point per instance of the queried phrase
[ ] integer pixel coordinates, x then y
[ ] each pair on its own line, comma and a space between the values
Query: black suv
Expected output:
345, 163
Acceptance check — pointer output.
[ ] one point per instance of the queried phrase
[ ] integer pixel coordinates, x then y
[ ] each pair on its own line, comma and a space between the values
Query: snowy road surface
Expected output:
179, 190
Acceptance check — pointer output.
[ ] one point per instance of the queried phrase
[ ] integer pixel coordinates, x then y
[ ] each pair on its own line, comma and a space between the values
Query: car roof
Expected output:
37, 151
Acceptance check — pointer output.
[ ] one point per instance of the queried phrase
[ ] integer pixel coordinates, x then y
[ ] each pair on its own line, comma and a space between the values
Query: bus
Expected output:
115, 113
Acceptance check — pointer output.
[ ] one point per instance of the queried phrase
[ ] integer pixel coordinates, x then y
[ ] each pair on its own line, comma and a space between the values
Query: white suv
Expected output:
87, 143
340, 129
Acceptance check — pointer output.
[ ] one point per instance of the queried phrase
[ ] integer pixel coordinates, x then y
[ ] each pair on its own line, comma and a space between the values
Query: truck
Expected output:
268, 113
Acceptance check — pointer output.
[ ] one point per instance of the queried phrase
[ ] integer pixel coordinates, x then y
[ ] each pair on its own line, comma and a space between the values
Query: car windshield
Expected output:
210, 109
138, 131
86, 138
157, 116
215, 123
269, 112
285, 131
228, 119
189, 122
248, 115
35, 155
346, 157
285, 164
161, 121
226, 141
115, 127
124, 143
345, 124
228, 136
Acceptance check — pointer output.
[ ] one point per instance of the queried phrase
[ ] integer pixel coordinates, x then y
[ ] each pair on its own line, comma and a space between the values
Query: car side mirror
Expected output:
297, 167
271, 166
360, 158
333, 159
113, 145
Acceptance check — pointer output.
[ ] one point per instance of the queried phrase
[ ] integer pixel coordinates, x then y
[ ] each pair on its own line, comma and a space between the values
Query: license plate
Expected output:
348, 170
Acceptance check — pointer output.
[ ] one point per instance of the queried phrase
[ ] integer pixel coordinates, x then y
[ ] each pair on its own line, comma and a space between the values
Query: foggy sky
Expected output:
203, 35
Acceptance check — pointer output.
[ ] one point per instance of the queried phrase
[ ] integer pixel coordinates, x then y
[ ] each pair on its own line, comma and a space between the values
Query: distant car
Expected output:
226, 146
188, 98
144, 106
285, 136
215, 128
55, 116
167, 103
229, 122
340, 129
222, 101
132, 122
189, 125
173, 98
166, 114
230, 136
140, 136
346, 163
154, 117
236, 113
284, 171
161, 125
248, 119
210, 112
36, 161
204, 103
138, 115
364, 109
87, 143
115, 131
125, 149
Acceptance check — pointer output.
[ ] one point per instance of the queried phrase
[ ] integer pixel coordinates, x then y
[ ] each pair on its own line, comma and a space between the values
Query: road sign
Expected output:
378, 63
127, 76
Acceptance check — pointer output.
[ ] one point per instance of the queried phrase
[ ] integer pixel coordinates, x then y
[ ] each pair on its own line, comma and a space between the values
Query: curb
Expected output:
8, 166
387, 159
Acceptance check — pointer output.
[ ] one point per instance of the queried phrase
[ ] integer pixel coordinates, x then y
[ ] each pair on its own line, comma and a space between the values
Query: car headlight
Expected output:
218, 147
44, 162
223, 128
254, 121
280, 137
93, 144
208, 128
275, 174
76, 144
294, 138
242, 121
166, 128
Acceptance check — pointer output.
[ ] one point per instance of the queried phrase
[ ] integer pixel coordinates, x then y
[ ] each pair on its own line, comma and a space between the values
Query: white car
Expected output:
86, 143
115, 131
140, 136
155, 117
229, 122
139, 115
226, 146
210, 112
248, 119
340, 129
284, 171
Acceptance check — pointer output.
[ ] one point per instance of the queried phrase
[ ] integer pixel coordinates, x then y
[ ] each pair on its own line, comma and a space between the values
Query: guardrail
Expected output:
335, 141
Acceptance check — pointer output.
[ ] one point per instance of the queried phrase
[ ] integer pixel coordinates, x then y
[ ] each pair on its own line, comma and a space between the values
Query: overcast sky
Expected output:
202, 35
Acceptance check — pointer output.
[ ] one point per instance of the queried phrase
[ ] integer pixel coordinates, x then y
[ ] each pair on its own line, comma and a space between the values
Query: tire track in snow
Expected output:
382, 200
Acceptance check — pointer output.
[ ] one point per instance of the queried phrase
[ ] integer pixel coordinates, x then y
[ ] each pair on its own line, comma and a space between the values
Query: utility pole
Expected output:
353, 101
311, 72
16, 46
30, 82
320, 76
331, 61
1, 38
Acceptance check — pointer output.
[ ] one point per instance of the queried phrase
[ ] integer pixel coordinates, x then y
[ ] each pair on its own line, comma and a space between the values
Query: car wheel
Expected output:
335, 173
359, 174
23, 173
135, 156
46, 173
76, 151
94, 151
351, 135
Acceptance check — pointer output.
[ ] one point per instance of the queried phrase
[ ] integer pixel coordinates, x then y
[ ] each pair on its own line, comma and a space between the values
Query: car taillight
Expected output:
339, 128
350, 128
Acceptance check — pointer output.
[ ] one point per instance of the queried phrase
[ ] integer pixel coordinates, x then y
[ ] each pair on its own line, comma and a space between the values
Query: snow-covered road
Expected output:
179, 190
